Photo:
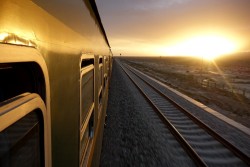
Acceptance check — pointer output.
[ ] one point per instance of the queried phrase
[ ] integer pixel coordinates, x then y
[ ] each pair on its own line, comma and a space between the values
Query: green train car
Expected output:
55, 65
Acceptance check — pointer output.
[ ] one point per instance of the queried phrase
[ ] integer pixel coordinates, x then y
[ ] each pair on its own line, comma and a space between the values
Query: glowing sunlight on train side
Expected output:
206, 47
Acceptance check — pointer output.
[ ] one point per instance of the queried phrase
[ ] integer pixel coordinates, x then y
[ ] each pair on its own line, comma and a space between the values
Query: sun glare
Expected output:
206, 47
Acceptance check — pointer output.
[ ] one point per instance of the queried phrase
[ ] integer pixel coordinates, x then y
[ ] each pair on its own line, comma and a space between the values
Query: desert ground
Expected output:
223, 85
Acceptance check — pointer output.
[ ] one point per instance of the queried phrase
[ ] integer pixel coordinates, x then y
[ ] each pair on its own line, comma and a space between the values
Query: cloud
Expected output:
146, 5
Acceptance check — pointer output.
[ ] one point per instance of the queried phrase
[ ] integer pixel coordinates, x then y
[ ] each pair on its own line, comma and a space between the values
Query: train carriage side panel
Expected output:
61, 31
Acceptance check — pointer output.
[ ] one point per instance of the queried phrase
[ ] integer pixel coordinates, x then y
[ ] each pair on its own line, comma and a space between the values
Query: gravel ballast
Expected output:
134, 135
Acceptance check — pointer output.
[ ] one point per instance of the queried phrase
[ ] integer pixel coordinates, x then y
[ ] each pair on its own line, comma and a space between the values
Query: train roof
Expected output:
98, 18
74, 24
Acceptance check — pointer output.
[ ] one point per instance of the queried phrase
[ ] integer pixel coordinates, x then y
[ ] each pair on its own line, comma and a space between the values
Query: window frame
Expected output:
24, 54
90, 115
18, 107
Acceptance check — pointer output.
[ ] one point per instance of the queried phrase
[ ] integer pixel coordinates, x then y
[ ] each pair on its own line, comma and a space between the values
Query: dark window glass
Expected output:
21, 144
100, 60
87, 62
18, 78
100, 77
87, 89
100, 98
87, 136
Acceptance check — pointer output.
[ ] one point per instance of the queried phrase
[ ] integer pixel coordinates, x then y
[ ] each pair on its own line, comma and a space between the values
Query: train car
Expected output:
55, 64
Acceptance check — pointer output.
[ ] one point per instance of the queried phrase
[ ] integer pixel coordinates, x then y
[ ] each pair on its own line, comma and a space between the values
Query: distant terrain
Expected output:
223, 85
242, 59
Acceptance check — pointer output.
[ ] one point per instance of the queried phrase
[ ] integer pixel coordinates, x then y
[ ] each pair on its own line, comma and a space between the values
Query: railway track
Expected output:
203, 145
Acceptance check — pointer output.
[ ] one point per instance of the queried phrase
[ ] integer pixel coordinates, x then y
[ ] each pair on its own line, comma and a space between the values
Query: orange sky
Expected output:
151, 27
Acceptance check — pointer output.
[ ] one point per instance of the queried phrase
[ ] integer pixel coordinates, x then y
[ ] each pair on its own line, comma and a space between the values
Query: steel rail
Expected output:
214, 134
191, 152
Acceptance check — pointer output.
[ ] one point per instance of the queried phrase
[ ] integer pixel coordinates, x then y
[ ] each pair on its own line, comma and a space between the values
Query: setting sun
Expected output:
207, 47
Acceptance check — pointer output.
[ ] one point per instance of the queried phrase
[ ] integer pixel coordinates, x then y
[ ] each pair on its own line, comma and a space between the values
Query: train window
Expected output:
20, 78
100, 98
25, 134
87, 106
87, 135
100, 60
106, 66
87, 91
21, 144
100, 75
105, 82
87, 62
